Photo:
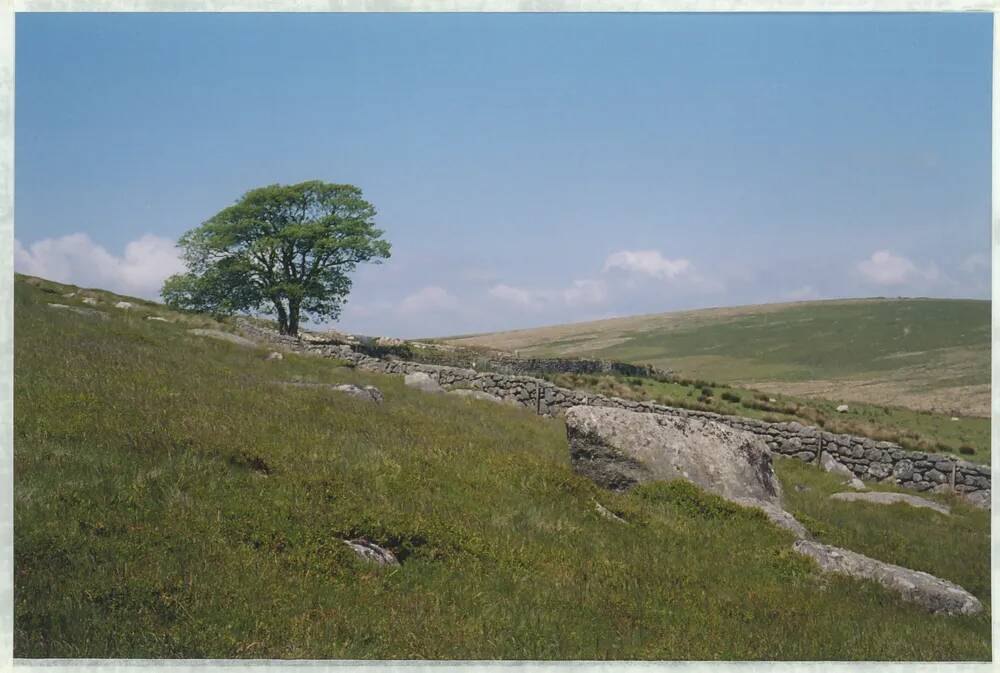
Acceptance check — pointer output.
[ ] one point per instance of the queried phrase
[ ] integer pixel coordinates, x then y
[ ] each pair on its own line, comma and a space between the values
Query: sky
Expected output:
527, 169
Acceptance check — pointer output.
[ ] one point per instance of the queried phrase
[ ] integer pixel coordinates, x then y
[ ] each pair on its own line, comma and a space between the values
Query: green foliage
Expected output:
281, 249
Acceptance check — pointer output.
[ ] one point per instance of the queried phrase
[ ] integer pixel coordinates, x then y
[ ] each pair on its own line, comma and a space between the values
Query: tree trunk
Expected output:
293, 317
282, 317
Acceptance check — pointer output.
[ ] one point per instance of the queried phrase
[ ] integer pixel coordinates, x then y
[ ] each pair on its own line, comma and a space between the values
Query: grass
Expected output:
170, 501
921, 352
968, 437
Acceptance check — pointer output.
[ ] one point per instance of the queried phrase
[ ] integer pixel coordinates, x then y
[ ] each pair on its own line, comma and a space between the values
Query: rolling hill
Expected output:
931, 354
171, 501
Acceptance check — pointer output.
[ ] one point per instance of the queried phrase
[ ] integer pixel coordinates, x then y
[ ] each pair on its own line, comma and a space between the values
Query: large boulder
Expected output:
935, 594
422, 381
618, 448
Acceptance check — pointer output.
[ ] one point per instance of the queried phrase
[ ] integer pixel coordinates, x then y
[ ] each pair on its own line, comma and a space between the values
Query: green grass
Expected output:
822, 340
170, 501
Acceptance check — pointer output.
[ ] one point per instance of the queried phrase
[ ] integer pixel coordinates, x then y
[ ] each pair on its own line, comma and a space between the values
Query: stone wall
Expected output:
868, 459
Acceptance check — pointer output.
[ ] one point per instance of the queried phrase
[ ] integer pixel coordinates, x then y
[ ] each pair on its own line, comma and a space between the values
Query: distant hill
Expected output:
921, 353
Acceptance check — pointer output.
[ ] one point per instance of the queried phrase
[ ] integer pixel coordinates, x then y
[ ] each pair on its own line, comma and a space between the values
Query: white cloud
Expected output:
648, 263
580, 293
141, 270
429, 299
886, 268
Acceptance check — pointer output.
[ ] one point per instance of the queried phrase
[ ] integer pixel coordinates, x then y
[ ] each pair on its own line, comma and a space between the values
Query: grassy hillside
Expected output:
921, 353
171, 501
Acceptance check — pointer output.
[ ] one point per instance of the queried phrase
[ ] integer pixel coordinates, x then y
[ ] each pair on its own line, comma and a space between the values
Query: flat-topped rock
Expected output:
618, 448
882, 498
933, 593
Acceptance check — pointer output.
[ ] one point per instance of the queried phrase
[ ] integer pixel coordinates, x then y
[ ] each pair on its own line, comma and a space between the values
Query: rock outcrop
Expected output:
886, 498
937, 595
618, 449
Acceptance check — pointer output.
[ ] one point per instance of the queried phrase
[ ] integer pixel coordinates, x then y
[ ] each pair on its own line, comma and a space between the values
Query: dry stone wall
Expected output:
867, 458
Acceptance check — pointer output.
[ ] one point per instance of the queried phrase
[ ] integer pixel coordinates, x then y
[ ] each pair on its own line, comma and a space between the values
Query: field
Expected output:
929, 354
171, 501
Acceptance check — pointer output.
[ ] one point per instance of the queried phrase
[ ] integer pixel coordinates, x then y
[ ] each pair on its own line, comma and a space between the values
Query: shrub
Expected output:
730, 397
966, 450
706, 391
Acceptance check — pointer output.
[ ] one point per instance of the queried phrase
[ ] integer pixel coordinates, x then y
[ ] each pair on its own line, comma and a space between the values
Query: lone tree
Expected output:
281, 249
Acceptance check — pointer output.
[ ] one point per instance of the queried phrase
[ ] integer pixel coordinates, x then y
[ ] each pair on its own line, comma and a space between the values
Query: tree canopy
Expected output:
284, 250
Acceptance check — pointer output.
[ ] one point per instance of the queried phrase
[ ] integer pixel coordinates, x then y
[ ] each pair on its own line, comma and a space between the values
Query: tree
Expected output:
284, 250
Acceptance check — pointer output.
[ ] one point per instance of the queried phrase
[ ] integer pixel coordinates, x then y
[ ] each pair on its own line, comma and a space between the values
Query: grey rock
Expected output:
802, 488
935, 475
903, 470
856, 484
884, 498
366, 393
223, 336
89, 312
842, 408
879, 470
423, 382
618, 449
778, 516
369, 551
480, 395
608, 514
274, 355
980, 499
830, 464
936, 595
124, 305
90, 300
157, 318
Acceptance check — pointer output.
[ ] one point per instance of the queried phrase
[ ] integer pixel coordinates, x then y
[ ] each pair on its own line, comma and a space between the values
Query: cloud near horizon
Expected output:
140, 271
887, 268
581, 293
647, 263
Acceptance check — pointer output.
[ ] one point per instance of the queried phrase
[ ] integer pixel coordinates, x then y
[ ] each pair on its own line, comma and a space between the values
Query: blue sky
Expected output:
527, 169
